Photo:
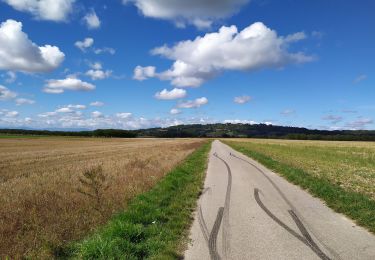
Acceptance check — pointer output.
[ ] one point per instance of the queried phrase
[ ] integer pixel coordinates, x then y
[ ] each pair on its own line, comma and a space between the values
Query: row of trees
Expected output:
213, 131
95, 133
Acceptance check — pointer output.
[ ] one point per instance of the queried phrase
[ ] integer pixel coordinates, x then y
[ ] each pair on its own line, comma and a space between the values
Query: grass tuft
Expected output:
358, 206
155, 224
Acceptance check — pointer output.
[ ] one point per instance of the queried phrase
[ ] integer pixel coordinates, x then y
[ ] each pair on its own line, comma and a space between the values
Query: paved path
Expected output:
248, 212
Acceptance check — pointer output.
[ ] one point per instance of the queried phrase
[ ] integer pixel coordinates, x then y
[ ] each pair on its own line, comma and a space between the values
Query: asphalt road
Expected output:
248, 212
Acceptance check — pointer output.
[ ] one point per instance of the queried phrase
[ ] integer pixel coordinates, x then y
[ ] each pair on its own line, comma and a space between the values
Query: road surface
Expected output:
248, 212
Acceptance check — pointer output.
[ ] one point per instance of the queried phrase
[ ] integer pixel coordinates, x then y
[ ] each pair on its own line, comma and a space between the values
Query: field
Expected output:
55, 190
341, 173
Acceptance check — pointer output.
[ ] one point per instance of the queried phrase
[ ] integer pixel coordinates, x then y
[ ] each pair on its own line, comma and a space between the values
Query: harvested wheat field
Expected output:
55, 190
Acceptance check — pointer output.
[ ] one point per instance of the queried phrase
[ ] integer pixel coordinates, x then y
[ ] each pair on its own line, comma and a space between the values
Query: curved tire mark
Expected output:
306, 234
213, 236
295, 211
226, 234
306, 238
202, 224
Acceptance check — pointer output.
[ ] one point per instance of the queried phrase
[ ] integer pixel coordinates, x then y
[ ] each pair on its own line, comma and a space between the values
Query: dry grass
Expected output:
351, 165
55, 190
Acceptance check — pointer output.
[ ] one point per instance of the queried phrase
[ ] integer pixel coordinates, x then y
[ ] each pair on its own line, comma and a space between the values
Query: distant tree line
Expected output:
214, 131
95, 133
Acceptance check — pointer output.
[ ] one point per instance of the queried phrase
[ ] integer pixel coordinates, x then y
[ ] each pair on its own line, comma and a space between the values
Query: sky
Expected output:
129, 64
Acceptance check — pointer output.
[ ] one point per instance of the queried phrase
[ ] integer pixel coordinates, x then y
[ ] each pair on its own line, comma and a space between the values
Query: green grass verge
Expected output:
355, 205
155, 224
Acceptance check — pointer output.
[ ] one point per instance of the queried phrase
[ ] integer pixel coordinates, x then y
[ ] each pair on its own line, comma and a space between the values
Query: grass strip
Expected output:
357, 206
155, 224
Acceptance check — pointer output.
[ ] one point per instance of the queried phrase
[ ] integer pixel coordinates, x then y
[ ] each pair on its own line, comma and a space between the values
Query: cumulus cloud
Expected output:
52, 10
19, 53
96, 66
196, 61
8, 113
98, 74
193, 103
58, 86
242, 99
84, 44
96, 104
92, 20
175, 111
332, 118
124, 115
200, 13
169, 95
143, 73
64, 110
97, 114
6, 94
24, 101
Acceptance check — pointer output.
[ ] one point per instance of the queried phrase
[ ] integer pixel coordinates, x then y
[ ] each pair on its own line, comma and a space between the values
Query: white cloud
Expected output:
53, 10
6, 94
169, 95
92, 20
142, 73
196, 61
332, 118
58, 86
242, 99
193, 103
175, 111
97, 104
8, 113
201, 13
77, 106
98, 74
97, 114
24, 101
47, 114
70, 108
360, 123
12, 114
18, 53
240, 121
105, 50
360, 78
86, 43
287, 112
12, 77
96, 66
124, 115
64, 110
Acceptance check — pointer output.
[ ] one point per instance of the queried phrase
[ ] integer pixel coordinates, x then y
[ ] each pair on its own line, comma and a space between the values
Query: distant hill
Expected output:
213, 131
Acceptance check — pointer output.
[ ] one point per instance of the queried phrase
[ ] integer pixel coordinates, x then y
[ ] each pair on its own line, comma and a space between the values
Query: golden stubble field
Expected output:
55, 190
348, 164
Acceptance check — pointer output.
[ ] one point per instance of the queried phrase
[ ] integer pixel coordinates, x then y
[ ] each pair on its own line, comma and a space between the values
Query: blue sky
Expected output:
143, 63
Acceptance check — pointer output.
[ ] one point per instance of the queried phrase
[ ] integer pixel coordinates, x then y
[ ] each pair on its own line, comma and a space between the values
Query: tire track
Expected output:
213, 236
269, 179
202, 224
306, 238
283, 196
226, 231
